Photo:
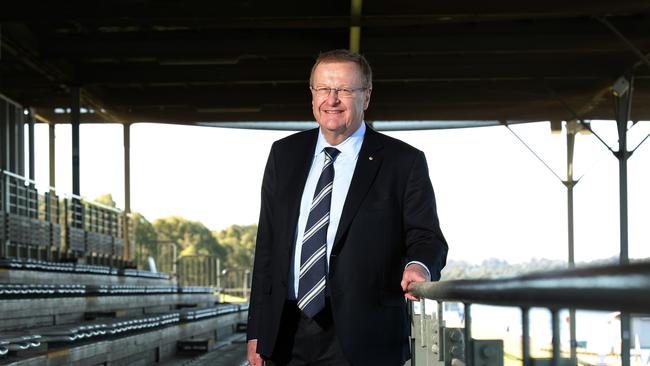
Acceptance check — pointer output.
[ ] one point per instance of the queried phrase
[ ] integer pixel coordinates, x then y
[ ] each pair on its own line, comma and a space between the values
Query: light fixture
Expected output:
620, 87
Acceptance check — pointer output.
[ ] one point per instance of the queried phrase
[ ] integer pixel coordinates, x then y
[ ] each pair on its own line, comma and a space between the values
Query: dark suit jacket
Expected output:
388, 218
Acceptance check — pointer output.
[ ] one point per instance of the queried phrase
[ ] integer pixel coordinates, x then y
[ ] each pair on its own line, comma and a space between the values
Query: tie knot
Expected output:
332, 152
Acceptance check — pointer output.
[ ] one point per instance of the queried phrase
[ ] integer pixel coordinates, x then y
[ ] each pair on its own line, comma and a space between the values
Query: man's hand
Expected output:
413, 273
254, 358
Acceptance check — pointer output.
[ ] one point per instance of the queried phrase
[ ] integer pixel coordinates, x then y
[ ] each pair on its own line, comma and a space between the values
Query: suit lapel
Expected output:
302, 152
368, 163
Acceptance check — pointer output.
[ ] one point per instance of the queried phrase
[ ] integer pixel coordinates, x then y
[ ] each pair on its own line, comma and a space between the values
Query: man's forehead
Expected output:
329, 63
327, 66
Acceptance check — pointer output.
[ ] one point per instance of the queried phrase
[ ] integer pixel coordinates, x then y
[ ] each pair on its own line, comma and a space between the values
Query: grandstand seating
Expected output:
40, 318
67, 296
46, 226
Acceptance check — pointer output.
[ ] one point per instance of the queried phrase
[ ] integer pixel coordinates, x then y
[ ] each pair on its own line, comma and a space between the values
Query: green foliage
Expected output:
145, 235
187, 234
239, 242
106, 200
234, 246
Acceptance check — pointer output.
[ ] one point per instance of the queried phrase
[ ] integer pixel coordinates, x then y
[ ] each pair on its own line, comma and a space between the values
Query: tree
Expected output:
186, 234
146, 238
239, 242
106, 200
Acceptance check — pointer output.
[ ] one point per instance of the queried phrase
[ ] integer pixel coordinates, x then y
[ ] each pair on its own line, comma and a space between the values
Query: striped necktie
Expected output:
313, 264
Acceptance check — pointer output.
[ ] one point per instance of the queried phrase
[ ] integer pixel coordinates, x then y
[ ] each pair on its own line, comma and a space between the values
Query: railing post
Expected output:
423, 342
572, 335
525, 336
468, 335
625, 338
441, 326
555, 321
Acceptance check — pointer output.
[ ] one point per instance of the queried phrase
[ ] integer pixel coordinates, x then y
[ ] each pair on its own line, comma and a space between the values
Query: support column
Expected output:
127, 190
75, 115
30, 121
20, 140
4, 134
127, 168
12, 158
52, 145
4, 157
571, 128
623, 104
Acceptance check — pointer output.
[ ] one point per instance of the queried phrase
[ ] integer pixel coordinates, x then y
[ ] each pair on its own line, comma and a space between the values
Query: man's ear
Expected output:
366, 99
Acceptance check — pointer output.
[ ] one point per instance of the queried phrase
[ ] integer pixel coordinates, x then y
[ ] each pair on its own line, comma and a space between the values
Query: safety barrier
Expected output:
618, 288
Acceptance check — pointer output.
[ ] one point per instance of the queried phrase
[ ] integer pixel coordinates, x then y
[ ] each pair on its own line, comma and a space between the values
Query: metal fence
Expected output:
199, 271
207, 271
194, 270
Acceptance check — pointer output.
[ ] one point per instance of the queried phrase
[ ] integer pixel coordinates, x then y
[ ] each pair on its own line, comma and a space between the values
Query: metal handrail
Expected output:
623, 288
24, 179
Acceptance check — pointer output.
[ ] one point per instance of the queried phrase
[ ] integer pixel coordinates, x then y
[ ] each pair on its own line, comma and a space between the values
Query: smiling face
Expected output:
337, 116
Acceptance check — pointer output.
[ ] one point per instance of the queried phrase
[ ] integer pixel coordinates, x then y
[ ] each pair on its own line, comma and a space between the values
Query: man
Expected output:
348, 223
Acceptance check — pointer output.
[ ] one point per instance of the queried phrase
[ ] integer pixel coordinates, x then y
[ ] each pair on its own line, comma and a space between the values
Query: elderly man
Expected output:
348, 223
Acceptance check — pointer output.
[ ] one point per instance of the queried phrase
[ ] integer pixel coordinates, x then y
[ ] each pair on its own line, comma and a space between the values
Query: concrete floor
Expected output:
230, 352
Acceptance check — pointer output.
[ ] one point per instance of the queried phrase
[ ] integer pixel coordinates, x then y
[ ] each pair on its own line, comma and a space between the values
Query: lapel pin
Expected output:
370, 158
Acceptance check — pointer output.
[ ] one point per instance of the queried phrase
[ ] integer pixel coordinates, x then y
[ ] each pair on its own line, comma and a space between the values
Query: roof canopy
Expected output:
194, 62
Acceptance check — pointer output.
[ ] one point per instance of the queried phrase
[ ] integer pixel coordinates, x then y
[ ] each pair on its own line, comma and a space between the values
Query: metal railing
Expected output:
198, 270
616, 288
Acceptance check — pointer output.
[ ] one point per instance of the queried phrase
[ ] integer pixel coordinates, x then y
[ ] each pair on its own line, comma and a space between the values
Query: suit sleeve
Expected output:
424, 240
263, 248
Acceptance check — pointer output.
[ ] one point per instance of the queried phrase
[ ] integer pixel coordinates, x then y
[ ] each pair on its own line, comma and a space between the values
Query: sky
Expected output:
495, 199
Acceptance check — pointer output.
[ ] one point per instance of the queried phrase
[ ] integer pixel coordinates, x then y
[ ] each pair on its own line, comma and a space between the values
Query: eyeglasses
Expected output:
324, 92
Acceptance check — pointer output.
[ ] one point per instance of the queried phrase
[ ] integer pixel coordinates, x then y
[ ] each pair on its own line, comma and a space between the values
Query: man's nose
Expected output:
333, 97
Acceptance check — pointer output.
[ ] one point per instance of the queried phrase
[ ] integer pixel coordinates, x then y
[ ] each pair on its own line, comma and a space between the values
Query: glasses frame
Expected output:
340, 92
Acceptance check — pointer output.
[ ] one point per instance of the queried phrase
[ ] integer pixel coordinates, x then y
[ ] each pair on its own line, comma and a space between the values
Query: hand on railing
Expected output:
413, 273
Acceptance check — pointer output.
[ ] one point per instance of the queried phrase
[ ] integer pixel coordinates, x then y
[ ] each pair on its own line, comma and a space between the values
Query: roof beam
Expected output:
259, 14
355, 26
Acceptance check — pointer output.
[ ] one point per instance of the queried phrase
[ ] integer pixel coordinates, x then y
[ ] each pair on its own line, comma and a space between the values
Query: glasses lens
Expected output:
346, 93
324, 92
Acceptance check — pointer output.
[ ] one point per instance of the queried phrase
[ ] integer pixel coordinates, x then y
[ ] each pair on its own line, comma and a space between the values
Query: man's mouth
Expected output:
333, 112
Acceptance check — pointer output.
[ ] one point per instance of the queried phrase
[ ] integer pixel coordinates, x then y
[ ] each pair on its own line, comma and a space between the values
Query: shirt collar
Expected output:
349, 147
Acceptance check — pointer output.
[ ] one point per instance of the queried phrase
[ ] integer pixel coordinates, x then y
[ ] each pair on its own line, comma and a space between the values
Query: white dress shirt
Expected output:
343, 171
